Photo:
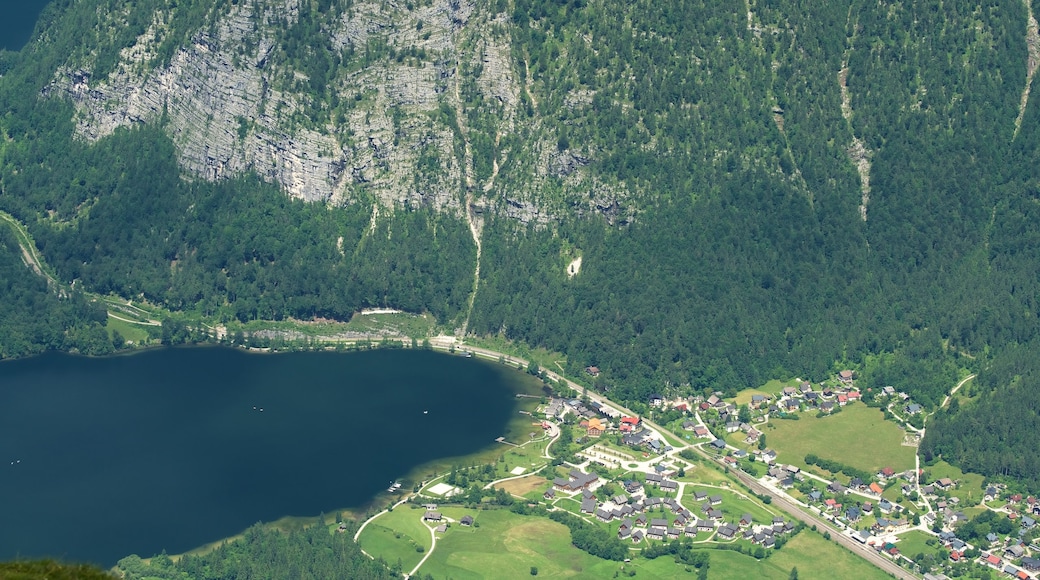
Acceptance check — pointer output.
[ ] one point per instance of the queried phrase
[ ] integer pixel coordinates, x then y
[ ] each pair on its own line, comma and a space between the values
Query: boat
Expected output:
394, 486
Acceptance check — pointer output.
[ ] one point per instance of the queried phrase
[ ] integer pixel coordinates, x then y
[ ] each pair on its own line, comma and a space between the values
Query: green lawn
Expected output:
507, 545
380, 538
132, 332
969, 487
733, 505
857, 436
913, 543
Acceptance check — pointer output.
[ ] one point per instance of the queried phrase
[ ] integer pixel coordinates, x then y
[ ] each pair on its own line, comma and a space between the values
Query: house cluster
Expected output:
1004, 562
432, 515
644, 439
826, 399
577, 480
698, 430
560, 408
726, 410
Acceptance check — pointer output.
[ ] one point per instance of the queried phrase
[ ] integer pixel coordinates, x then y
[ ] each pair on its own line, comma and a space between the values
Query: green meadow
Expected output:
858, 436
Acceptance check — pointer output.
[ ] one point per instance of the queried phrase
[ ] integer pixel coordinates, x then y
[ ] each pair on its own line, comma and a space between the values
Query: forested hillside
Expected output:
756, 189
265, 553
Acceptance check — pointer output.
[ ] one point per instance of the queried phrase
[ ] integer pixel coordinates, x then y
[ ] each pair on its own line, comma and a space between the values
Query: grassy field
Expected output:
507, 546
858, 436
733, 505
396, 535
969, 487
524, 485
913, 543
808, 551
132, 332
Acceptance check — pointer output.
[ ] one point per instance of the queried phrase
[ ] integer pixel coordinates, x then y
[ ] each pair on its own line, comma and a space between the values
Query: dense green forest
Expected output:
35, 318
267, 553
737, 241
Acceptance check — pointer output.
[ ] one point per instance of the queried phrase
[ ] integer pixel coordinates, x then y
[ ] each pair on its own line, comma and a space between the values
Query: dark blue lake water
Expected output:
101, 458
19, 18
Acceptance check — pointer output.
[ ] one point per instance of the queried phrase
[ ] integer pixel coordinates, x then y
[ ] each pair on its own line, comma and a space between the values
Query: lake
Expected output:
18, 21
170, 449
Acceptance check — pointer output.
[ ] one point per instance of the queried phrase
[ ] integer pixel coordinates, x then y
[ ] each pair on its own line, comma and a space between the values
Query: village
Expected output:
675, 476
878, 509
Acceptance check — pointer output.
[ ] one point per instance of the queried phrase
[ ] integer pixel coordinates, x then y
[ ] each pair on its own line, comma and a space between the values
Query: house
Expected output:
656, 400
715, 499
624, 533
689, 425
853, 514
1028, 522
853, 396
602, 514
659, 523
827, 406
769, 456
843, 399
885, 506
441, 528
993, 560
654, 478
875, 488
889, 390
862, 536
1015, 552
592, 371
745, 520
705, 526
1031, 564
791, 405
701, 431
727, 532
886, 472
945, 483
758, 400
991, 494
718, 444
669, 485
815, 495
432, 516
549, 494
595, 427
913, 409
630, 421
655, 534
637, 536
690, 531
845, 376
732, 427
578, 480
588, 505
715, 515
790, 391
466, 520
835, 487
673, 533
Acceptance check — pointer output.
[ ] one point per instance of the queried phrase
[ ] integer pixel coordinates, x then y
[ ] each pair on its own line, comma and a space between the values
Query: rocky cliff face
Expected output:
232, 104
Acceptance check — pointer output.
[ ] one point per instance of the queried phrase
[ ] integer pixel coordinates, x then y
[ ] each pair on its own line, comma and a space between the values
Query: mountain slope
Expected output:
754, 188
